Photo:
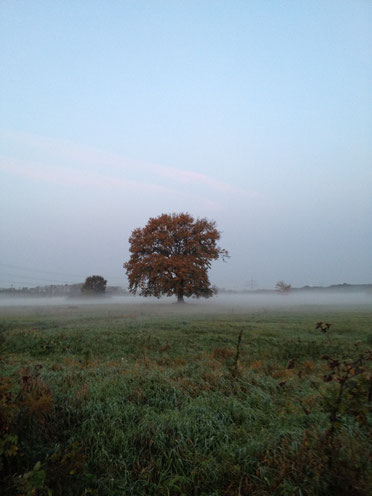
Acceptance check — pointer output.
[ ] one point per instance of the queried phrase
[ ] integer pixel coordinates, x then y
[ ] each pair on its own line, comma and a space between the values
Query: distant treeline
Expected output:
75, 290
335, 288
57, 290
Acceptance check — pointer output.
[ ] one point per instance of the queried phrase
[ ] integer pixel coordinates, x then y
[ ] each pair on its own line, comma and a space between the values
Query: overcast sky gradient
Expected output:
257, 114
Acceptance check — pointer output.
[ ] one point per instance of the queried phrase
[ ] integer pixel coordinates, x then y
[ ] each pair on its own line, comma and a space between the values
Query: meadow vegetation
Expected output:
160, 400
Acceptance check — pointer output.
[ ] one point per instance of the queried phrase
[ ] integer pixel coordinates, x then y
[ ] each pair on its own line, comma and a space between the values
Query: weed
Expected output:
237, 354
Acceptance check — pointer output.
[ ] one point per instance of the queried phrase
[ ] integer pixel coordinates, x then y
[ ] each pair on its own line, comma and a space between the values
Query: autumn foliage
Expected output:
171, 255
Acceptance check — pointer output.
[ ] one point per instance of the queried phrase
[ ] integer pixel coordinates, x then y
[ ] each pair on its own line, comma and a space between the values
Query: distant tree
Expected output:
171, 255
94, 285
283, 287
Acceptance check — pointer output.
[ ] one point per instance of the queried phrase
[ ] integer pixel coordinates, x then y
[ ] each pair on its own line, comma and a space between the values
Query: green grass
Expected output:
149, 400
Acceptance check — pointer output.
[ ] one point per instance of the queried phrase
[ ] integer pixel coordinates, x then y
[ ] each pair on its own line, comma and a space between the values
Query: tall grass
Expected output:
129, 403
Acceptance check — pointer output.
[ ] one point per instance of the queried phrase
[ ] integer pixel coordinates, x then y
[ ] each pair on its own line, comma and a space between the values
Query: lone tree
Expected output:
282, 287
171, 255
94, 285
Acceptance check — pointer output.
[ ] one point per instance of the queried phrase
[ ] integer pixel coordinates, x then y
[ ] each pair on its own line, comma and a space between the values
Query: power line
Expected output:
80, 276
19, 267
32, 280
11, 279
29, 279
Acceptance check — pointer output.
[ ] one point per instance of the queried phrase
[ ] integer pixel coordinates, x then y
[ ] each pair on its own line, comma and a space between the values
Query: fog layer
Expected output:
244, 301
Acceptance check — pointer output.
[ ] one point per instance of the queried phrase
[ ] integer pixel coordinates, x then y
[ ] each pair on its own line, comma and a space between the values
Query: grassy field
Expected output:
159, 399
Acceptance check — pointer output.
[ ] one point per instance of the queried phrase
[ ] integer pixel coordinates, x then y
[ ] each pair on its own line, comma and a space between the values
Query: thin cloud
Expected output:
83, 155
190, 177
59, 148
72, 177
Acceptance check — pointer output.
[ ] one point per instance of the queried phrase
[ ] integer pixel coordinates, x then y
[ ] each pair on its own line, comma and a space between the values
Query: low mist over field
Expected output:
215, 304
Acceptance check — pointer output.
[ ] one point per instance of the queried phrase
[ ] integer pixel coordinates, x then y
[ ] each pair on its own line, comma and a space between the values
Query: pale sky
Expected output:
257, 114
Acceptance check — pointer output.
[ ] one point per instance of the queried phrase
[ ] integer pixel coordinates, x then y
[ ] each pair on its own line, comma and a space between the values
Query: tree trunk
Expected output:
180, 298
